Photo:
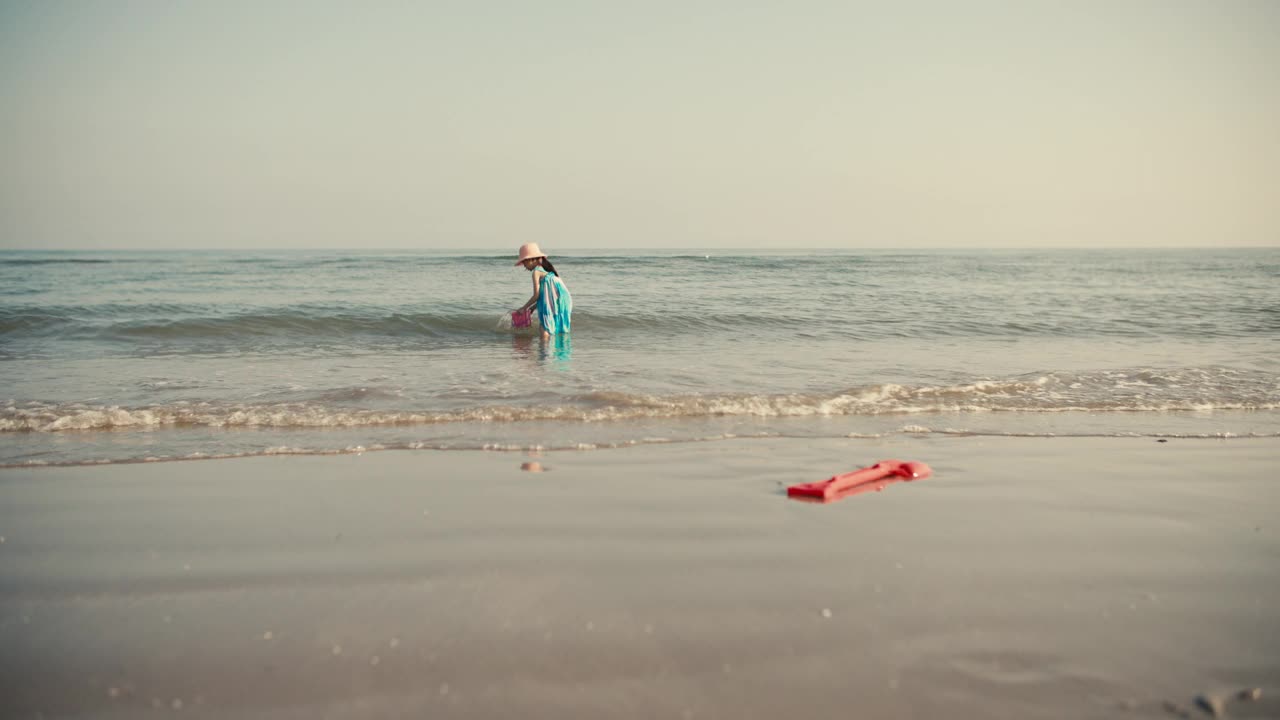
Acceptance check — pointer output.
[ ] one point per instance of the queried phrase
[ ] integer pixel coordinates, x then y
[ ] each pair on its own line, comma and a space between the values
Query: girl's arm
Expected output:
537, 289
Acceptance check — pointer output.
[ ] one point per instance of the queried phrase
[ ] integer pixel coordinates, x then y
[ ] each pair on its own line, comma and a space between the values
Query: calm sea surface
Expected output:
130, 356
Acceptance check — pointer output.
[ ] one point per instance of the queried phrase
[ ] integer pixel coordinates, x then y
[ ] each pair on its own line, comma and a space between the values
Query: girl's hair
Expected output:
546, 265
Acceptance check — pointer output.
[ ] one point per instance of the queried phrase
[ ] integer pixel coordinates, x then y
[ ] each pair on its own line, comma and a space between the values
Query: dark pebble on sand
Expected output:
1211, 704
1163, 440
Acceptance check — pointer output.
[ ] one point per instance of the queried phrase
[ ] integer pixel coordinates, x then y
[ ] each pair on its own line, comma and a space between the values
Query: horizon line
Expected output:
663, 248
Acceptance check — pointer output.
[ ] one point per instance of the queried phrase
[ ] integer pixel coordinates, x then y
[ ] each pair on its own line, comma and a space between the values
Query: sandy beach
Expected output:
1029, 578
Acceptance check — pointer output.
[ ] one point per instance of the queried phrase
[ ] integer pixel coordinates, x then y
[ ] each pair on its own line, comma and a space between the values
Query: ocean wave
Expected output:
243, 328
1140, 390
173, 323
126, 323
21, 262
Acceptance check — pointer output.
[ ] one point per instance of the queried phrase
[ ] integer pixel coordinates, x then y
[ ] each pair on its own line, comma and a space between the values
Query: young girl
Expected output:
550, 295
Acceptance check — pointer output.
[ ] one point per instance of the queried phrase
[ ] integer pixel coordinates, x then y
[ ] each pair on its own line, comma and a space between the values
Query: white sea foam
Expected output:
1040, 395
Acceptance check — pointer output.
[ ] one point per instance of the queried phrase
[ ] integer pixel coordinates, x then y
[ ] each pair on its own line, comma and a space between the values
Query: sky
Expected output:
643, 124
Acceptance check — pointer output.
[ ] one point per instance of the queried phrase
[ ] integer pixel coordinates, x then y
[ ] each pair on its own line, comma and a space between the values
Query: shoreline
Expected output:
1030, 577
583, 447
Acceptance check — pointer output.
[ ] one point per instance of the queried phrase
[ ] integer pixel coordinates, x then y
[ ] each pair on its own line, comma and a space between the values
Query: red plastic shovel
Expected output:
866, 479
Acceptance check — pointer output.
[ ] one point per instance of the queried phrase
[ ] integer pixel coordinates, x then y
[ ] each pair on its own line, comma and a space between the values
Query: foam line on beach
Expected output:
515, 447
1113, 391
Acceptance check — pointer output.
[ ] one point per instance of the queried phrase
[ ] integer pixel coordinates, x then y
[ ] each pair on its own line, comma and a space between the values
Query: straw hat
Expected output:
530, 251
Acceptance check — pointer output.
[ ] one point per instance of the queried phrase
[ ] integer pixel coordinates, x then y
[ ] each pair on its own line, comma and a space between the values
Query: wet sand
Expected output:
1029, 578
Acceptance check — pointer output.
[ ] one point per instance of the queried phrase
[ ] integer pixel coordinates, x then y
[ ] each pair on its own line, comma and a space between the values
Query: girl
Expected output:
550, 295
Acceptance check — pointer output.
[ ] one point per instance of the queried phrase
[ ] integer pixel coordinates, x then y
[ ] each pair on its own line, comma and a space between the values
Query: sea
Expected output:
131, 356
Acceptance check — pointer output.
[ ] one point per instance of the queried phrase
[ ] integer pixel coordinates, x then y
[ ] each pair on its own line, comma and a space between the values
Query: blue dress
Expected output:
554, 304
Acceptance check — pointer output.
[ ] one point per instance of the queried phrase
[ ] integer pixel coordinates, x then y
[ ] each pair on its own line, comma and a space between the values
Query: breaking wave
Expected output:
1184, 390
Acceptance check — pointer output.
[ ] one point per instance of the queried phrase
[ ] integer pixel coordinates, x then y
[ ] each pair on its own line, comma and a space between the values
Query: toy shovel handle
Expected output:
879, 471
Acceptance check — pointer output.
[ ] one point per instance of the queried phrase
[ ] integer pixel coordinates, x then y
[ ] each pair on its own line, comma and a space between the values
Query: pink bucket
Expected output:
521, 318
